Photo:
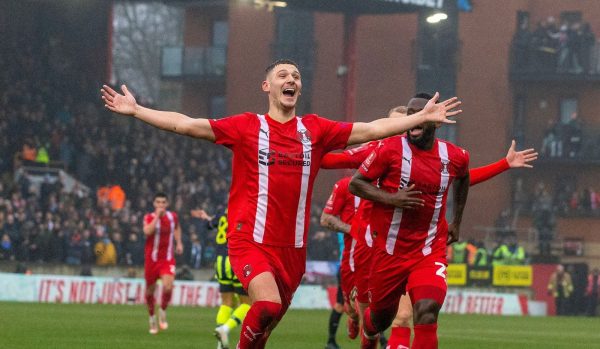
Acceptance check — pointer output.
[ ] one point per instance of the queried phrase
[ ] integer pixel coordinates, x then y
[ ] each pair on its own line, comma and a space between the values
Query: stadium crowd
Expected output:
44, 122
568, 46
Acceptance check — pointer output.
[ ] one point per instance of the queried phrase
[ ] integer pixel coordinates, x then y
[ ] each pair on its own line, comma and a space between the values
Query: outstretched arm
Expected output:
386, 127
126, 104
334, 223
513, 159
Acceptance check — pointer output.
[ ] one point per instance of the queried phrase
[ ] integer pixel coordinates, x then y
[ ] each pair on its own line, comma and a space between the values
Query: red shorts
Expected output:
362, 270
392, 276
154, 270
287, 264
347, 282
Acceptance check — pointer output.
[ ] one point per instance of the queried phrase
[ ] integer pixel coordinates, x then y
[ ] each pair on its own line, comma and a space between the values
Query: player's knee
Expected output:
403, 317
426, 311
401, 320
268, 314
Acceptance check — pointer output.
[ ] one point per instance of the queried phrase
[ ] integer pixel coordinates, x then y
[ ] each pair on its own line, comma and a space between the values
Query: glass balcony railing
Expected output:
537, 62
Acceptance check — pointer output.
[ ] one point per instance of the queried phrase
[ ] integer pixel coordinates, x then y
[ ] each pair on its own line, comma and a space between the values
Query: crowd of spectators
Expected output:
563, 139
568, 46
565, 199
51, 116
46, 121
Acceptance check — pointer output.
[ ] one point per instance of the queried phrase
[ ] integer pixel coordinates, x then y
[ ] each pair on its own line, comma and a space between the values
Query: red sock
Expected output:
261, 315
399, 338
425, 337
368, 330
150, 303
166, 298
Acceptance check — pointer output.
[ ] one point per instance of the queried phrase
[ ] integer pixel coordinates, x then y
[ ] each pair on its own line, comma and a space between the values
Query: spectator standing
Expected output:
592, 292
106, 252
560, 286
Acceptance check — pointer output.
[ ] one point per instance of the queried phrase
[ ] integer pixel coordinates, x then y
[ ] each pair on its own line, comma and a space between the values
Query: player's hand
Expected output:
160, 212
201, 214
407, 198
439, 112
521, 158
179, 248
119, 103
453, 233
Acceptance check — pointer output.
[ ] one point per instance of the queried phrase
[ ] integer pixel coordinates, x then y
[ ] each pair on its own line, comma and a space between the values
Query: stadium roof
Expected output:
357, 7
366, 6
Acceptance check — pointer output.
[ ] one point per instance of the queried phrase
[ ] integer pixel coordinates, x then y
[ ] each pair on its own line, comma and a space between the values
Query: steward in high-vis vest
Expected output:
560, 287
458, 252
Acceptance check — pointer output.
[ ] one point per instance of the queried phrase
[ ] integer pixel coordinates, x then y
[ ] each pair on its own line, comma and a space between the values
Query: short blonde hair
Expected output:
402, 109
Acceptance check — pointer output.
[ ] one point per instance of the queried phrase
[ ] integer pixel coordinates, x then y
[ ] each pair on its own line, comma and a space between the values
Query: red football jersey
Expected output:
398, 164
159, 246
274, 167
343, 204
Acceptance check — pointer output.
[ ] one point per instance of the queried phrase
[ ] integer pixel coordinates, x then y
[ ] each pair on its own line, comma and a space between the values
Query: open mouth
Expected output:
416, 132
289, 92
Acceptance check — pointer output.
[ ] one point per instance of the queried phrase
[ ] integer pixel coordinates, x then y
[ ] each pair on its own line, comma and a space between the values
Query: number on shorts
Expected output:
172, 269
441, 271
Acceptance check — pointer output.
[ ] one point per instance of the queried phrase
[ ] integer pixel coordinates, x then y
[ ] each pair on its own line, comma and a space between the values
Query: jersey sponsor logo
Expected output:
269, 157
266, 157
427, 188
304, 136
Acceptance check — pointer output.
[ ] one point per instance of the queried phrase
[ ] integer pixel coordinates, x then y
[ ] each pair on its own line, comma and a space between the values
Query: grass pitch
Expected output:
66, 326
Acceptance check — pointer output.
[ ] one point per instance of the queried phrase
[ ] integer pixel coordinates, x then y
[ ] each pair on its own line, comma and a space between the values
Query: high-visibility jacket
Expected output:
481, 257
459, 252
566, 282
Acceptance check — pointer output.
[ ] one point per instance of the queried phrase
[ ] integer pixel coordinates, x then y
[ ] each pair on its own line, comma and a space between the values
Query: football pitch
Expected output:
65, 326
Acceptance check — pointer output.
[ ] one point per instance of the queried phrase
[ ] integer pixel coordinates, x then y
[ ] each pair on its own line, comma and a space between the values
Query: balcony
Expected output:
548, 63
194, 63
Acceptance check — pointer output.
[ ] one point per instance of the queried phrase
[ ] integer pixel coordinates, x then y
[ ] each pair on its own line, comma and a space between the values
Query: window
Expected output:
568, 106
217, 107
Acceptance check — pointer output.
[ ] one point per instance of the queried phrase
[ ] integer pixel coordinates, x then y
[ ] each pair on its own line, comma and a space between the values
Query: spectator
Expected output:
106, 252
196, 252
560, 286
510, 253
544, 219
573, 133
592, 291
6, 248
134, 250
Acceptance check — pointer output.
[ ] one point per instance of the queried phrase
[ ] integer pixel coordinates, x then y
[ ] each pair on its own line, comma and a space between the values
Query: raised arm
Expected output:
126, 104
386, 127
513, 159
